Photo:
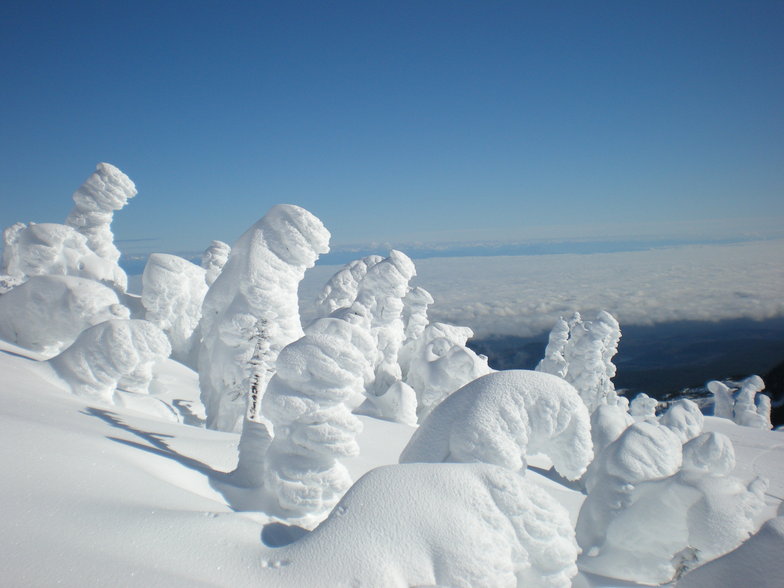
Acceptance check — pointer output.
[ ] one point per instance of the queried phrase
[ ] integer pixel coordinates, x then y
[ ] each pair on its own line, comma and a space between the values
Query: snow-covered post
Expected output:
173, 290
342, 288
319, 379
213, 259
105, 191
251, 309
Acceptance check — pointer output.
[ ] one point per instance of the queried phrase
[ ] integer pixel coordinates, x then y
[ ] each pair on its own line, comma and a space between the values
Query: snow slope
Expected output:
96, 496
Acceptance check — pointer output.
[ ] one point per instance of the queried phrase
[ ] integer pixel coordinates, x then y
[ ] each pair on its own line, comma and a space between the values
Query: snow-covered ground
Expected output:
107, 495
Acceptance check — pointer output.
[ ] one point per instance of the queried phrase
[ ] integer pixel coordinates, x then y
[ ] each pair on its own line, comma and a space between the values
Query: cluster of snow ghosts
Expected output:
736, 401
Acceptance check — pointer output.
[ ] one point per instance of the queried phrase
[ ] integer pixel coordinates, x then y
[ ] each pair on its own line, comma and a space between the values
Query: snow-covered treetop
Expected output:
106, 190
213, 259
341, 289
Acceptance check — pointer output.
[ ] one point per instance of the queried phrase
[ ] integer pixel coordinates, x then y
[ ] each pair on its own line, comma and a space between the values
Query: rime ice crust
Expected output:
105, 191
504, 416
250, 312
111, 354
47, 313
173, 290
462, 525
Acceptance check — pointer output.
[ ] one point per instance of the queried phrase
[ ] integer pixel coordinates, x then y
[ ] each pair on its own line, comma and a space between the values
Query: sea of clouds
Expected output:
524, 295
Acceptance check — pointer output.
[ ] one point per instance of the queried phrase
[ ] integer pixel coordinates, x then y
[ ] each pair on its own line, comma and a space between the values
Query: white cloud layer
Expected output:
525, 295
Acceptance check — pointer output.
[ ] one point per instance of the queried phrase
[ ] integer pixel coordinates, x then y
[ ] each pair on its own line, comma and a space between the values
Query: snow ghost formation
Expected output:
173, 290
684, 419
643, 407
114, 353
736, 401
213, 259
47, 313
439, 362
415, 322
342, 288
250, 312
319, 379
462, 525
504, 416
670, 524
581, 352
84, 245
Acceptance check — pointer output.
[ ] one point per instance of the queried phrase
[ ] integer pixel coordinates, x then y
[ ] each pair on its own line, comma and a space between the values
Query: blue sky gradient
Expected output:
398, 122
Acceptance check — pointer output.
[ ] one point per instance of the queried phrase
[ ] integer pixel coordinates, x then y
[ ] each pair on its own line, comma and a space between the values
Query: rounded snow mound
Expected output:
47, 313
459, 525
112, 354
504, 416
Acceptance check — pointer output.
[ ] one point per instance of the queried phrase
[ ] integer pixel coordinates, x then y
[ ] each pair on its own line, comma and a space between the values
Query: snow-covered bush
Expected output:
684, 419
47, 313
342, 288
319, 379
213, 259
173, 290
504, 416
581, 352
250, 312
439, 362
114, 353
460, 525
736, 401
669, 524
643, 407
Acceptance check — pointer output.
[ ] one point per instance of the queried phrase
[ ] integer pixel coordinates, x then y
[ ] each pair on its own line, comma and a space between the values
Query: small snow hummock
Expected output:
213, 259
504, 416
47, 313
319, 379
173, 290
461, 525
112, 354
250, 312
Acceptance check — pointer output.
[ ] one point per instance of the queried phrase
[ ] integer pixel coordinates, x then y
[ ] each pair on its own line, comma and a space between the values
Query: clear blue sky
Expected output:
396, 121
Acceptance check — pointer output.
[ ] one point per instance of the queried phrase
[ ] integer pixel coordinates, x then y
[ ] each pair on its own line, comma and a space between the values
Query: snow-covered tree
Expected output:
252, 308
736, 401
581, 352
319, 379
683, 418
114, 353
342, 288
173, 290
47, 313
213, 259
643, 407
504, 416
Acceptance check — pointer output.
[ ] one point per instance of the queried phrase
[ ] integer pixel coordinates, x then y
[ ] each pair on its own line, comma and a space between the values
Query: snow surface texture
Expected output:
319, 379
736, 401
173, 290
112, 354
213, 259
250, 312
667, 525
581, 352
504, 416
460, 525
47, 313
755, 563
438, 363
342, 288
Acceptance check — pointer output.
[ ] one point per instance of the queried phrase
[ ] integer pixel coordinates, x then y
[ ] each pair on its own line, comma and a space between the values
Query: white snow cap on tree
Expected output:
581, 352
47, 313
40, 249
213, 259
667, 525
319, 379
458, 525
105, 191
439, 362
736, 401
341, 289
504, 416
114, 353
250, 312
173, 290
